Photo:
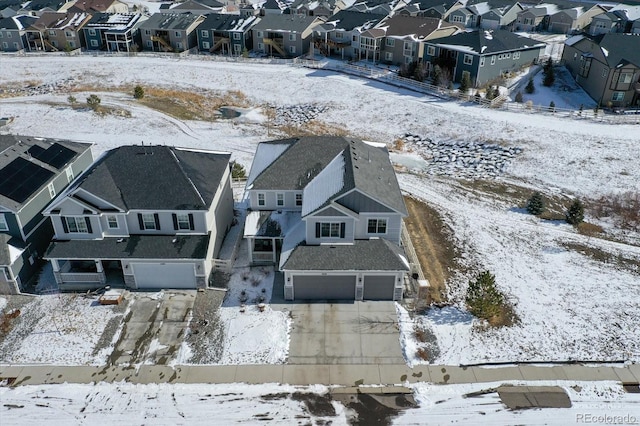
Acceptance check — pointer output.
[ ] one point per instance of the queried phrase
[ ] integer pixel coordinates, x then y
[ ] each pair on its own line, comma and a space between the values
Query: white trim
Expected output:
4, 226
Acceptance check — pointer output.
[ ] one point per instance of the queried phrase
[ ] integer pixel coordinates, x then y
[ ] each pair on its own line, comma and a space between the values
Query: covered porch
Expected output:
75, 274
265, 231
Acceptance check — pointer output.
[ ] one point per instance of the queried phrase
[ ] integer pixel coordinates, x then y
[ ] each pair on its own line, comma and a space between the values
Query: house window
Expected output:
605, 72
204, 34
147, 32
178, 34
94, 43
329, 230
354, 38
52, 32
5, 44
298, 199
69, 172
237, 36
68, 34
149, 43
72, 43
183, 221
625, 78
237, 48
338, 35
0, 34
261, 199
77, 225
3, 223
260, 34
493, 59
516, 55
179, 45
148, 221
388, 56
112, 222
377, 226
482, 61
261, 47
205, 44
617, 96
9, 34
391, 42
292, 36
431, 50
280, 200
457, 18
52, 190
585, 65
15, 45
92, 32
292, 49
468, 59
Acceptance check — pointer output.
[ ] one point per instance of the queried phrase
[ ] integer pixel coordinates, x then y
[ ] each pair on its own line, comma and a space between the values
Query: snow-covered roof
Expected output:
326, 184
292, 239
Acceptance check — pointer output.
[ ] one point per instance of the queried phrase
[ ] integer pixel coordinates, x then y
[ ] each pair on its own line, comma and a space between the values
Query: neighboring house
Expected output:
336, 36
226, 34
535, 18
113, 32
201, 7
575, 19
170, 32
501, 17
272, 7
463, 16
9, 8
377, 7
39, 7
608, 22
328, 211
284, 35
32, 172
439, 9
57, 31
312, 7
99, 6
485, 54
13, 33
142, 217
405, 37
606, 66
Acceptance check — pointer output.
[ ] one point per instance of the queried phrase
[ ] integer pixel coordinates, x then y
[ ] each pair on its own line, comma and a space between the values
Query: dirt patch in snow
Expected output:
206, 330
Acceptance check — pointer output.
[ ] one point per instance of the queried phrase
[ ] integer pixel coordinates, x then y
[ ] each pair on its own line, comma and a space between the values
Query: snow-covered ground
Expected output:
570, 306
285, 405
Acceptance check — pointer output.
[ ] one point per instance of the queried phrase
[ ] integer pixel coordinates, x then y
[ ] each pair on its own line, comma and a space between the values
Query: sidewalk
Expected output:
343, 375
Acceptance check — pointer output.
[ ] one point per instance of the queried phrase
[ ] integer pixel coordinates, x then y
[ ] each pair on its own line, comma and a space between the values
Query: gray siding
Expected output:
489, 72
223, 218
394, 223
311, 230
358, 202
12, 223
271, 200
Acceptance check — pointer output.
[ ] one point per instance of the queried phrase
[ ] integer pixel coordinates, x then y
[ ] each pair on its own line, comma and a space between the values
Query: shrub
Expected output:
552, 106
575, 214
491, 94
530, 88
436, 80
535, 204
483, 299
623, 208
238, 171
549, 74
465, 82
72, 99
93, 101
138, 92
519, 98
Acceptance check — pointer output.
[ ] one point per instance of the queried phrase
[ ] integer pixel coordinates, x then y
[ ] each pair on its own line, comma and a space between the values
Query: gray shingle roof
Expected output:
620, 47
347, 20
362, 255
226, 22
488, 42
156, 177
133, 247
400, 25
284, 23
169, 21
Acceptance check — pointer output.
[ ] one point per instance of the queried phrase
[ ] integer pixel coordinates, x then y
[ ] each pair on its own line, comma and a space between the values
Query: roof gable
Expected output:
487, 42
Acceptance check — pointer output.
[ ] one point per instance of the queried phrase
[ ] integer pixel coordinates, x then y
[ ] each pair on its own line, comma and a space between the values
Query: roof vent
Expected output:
175, 240
120, 240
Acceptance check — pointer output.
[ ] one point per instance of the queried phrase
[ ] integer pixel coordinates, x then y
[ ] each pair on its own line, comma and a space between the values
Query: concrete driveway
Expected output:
344, 333
154, 328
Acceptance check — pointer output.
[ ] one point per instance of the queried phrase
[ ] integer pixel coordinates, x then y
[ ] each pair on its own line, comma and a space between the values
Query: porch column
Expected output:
55, 264
273, 249
100, 270
99, 266
359, 287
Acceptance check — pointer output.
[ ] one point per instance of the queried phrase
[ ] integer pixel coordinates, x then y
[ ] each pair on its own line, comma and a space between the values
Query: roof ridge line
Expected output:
184, 173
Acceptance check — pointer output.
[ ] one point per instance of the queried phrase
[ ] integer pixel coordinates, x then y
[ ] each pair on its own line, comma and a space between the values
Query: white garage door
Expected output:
169, 275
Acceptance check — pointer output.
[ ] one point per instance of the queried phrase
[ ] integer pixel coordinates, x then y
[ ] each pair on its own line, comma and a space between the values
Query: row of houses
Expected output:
326, 211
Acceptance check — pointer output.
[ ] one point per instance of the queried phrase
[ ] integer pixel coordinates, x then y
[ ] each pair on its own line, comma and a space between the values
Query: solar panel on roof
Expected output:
21, 178
56, 155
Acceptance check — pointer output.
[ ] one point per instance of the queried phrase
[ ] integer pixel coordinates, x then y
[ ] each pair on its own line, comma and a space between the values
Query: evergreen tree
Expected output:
483, 298
491, 94
465, 82
549, 73
93, 101
138, 92
575, 214
552, 106
519, 98
72, 99
530, 88
437, 75
535, 204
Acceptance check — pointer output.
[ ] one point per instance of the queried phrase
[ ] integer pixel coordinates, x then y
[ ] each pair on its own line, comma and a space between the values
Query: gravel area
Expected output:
207, 332
22, 324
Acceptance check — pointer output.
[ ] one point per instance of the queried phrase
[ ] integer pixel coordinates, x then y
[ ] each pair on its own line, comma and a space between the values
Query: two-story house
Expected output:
485, 54
55, 31
573, 19
500, 17
535, 18
99, 6
13, 34
142, 217
284, 35
606, 66
226, 34
113, 32
328, 211
170, 32
340, 33
32, 172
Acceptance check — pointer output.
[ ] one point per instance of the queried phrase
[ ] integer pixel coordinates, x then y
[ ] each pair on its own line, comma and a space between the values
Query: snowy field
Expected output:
273, 404
570, 306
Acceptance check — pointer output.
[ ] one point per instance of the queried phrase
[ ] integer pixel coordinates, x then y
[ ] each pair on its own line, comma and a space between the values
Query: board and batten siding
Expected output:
358, 202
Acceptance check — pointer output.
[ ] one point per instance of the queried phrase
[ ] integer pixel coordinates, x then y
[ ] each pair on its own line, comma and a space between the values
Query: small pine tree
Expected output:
138, 92
483, 298
535, 204
575, 214
437, 75
530, 88
580, 109
72, 99
93, 101
549, 74
519, 98
465, 82
237, 171
491, 94
552, 106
